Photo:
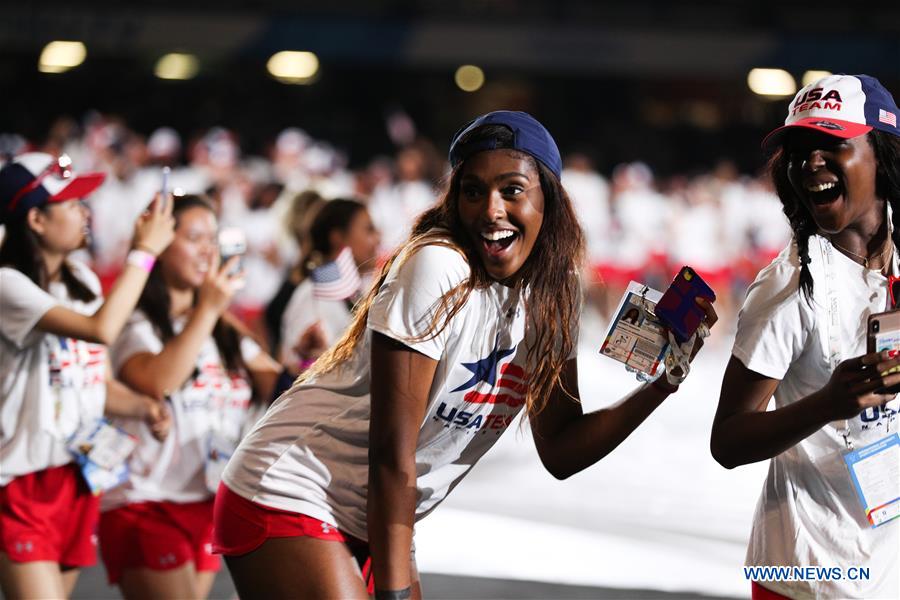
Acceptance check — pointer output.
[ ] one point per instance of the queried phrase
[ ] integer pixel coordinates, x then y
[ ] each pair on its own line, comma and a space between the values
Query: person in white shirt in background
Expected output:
314, 319
54, 325
801, 337
179, 346
589, 193
121, 199
697, 239
395, 208
639, 243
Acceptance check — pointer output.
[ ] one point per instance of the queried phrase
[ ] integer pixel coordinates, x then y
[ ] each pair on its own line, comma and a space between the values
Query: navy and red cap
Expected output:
529, 136
36, 178
844, 106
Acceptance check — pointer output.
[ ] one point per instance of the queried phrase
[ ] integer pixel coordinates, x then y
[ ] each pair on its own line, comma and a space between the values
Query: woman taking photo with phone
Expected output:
155, 529
54, 326
472, 320
802, 338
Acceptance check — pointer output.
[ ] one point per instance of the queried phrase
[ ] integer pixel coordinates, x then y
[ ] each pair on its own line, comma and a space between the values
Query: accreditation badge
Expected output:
101, 452
875, 471
218, 451
635, 336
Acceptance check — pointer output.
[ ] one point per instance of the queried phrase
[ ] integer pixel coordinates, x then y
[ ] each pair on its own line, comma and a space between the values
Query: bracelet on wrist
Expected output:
664, 387
403, 594
142, 259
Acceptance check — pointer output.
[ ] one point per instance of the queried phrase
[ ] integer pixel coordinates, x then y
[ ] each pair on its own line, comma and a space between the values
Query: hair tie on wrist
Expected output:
403, 594
142, 259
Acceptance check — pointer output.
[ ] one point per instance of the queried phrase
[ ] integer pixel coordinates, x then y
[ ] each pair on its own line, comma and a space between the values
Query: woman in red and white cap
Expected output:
801, 337
53, 367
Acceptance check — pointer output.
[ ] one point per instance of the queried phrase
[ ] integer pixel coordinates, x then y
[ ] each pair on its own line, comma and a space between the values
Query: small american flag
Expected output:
887, 117
336, 280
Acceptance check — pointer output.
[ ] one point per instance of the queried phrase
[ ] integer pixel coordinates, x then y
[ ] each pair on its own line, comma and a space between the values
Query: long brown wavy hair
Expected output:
550, 277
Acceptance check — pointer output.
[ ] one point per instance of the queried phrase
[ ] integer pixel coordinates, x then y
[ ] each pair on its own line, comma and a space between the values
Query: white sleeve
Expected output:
410, 296
299, 314
22, 304
249, 349
775, 322
138, 336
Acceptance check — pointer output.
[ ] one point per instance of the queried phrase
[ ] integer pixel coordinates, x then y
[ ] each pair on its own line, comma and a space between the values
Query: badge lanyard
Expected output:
833, 320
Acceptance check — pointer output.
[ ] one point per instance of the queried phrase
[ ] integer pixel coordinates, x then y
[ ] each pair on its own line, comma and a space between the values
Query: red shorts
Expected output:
158, 536
49, 515
242, 526
758, 592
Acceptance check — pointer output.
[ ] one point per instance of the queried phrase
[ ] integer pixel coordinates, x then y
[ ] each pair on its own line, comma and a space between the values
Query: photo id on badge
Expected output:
635, 336
101, 451
875, 471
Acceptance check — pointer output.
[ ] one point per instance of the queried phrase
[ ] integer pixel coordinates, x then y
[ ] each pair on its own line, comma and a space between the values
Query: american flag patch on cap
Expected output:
887, 117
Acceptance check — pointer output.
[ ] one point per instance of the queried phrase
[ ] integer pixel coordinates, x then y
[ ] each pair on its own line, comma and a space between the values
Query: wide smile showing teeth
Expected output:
493, 236
821, 187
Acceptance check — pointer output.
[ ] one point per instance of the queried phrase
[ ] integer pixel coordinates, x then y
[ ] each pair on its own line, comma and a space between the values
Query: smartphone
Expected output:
164, 187
232, 242
883, 333
678, 310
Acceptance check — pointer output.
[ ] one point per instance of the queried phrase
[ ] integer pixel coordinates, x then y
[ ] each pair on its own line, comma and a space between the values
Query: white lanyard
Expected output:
833, 320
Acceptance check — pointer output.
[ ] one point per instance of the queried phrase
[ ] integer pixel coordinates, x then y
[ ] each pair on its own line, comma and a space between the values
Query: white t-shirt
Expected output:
48, 384
303, 310
309, 454
809, 513
211, 400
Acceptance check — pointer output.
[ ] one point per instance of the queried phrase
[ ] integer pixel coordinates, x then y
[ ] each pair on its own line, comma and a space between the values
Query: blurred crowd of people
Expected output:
639, 227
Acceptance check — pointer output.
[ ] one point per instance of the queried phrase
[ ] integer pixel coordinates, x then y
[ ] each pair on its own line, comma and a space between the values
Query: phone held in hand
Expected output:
883, 333
232, 242
164, 187
678, 309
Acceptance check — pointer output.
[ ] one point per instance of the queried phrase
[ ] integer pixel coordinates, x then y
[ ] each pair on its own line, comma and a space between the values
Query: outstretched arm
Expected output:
569, 441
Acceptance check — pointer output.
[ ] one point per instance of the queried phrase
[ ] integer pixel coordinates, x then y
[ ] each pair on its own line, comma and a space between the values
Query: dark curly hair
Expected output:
886, 148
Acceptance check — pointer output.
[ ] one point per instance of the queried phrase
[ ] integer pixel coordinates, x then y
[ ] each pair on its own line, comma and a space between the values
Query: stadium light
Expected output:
469, 78
176, 65
773, 83
59, 56
811, 76
293, 67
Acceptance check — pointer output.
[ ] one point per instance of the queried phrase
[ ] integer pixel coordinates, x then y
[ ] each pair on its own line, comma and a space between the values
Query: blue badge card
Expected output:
101, 451
875, 470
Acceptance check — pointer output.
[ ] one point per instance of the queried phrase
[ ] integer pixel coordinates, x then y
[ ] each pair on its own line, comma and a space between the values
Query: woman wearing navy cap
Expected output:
802, 338
53, 367
474, 318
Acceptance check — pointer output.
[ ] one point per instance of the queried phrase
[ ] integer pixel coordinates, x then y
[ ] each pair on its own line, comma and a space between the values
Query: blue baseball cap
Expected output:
529, 136
844, 106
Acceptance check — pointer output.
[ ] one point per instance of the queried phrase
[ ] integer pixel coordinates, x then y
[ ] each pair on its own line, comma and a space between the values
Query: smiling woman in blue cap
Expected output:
801, 337
472, 319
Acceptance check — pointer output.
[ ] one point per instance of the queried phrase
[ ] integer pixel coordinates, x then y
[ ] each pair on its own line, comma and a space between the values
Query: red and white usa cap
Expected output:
35, 178
844, 106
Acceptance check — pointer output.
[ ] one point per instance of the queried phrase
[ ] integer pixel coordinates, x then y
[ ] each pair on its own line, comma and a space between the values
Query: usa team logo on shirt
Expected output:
492, 382
506, 383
